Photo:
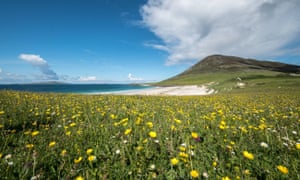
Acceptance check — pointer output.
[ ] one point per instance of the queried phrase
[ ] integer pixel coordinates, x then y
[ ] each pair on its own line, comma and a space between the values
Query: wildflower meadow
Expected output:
69, 136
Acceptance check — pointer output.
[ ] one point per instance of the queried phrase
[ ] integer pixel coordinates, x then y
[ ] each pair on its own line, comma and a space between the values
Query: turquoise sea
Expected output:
73, 88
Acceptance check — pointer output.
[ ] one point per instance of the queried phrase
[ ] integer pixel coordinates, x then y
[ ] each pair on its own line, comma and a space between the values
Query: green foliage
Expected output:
54, 136
254, 81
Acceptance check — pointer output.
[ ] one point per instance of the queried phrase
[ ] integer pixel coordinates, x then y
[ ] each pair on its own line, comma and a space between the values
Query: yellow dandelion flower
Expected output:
298, 146
29, 146
149, 124
2, 112
177, 121
63, 152
89, 151
68, 133
248, 155
51, 144
181, 148
174, 161
214, 164
72, 124
247, 172
79, 178
113, 116
173, 128
78, 160
127, 131
225, 178
195, 135
194, 173
222, 127
139, 148
34, 133
152, 134
138, 121
184, 155
92, 158
283, 169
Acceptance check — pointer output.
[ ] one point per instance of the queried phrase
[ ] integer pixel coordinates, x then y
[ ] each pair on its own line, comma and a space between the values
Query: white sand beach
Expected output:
171, 91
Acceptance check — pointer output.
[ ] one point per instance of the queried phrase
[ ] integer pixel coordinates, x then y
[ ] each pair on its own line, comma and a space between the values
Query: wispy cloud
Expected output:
88, 78
7, 77
133, 78
193, 29
41, 64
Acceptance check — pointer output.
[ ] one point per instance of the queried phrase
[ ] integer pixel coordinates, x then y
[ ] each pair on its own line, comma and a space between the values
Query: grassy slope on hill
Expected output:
233, 74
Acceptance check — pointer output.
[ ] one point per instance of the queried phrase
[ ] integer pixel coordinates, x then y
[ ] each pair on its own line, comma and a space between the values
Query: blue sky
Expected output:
113, 41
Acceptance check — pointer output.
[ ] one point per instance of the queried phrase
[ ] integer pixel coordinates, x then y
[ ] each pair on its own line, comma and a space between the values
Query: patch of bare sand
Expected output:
190, 90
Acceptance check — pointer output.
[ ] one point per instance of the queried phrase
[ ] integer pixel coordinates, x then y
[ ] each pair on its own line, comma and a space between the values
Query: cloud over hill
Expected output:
191, 30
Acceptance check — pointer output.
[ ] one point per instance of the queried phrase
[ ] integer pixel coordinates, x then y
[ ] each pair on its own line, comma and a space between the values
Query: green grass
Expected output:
63, 136
224, 82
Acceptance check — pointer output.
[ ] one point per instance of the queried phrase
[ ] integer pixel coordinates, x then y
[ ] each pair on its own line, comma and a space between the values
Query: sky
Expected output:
125, 41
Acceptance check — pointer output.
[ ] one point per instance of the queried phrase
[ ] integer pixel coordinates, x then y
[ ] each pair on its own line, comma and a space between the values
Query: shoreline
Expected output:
187, 90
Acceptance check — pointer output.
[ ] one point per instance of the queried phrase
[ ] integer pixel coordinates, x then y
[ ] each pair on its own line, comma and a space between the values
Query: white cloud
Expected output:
193, 29
33, 59
133, 78
88, 78
39, 62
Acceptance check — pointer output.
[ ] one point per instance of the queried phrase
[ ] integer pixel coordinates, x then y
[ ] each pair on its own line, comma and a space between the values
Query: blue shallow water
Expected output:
73, 88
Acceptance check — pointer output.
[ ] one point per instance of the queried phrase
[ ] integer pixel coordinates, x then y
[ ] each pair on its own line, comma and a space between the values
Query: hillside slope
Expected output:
229, 72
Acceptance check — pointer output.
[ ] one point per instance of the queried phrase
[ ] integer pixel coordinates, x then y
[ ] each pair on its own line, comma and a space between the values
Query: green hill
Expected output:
230, 73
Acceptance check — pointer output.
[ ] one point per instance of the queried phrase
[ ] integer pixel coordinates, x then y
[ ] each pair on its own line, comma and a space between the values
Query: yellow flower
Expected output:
1, 155
177, 121
89, 151
1, 126
68, 133
247, 172
152, 134
79, 178
194, 173
1, 112
127, 131
29, 146
181, 148
248, 155
34, 133
63, 152
214, 164
78, 160
174, 161
92, 158
225, 178
173, 128
139, 148
149, 124
298, 146
51, 144
194, 135
184, 155
283, 169
72, 124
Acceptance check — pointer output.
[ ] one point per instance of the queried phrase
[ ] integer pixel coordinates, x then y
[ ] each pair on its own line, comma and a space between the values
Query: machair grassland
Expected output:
65, 136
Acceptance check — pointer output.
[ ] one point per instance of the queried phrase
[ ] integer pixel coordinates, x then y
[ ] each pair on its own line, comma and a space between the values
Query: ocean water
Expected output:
74, 88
